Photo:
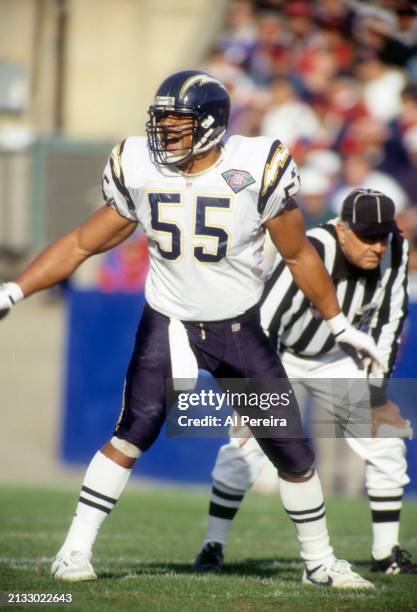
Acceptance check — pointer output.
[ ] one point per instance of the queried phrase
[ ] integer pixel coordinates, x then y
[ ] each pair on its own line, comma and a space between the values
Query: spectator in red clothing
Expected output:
125, 267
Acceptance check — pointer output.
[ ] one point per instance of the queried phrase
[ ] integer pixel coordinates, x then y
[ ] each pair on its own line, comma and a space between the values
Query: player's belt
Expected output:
249, 315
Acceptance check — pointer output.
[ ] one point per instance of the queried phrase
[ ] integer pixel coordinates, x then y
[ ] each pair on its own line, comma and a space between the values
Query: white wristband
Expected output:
14, 292
338, 324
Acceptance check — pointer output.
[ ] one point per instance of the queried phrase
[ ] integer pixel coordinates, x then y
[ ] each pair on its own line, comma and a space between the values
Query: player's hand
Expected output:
10, 294
388, 422
356, 344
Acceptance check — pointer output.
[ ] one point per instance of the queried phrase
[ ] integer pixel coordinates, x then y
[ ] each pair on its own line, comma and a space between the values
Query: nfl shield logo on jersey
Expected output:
238, 179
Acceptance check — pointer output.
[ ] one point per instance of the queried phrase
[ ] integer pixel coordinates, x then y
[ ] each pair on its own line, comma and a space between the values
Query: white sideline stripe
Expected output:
42, 535
192, 577
58, 535
31, 562
143, 561
24, 563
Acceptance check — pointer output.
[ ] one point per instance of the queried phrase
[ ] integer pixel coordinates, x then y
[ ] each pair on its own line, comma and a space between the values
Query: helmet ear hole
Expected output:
194, 93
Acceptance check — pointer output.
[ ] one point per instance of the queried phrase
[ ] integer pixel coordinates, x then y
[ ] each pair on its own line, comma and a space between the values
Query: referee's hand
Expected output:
358, 345
388, 422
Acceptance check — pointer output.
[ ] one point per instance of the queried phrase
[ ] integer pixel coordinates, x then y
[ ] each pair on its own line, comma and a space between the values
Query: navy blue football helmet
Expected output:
195, 94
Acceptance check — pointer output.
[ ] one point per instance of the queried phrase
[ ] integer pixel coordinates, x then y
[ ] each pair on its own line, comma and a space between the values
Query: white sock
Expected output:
217, 530
103, 484
224, 504
304, 504
385, 507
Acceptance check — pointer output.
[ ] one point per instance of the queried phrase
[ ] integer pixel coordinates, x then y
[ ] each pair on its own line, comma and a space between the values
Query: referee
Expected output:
366, 256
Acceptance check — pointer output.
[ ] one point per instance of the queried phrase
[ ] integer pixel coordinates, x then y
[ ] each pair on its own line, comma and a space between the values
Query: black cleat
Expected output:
399, 562
210, 558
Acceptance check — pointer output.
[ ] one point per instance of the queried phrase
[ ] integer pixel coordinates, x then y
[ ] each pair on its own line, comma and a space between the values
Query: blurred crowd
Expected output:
336, 81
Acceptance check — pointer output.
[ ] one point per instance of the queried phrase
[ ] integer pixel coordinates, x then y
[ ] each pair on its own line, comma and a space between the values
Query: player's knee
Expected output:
125, 447
238, 465
291, 457
140, 425
299, 477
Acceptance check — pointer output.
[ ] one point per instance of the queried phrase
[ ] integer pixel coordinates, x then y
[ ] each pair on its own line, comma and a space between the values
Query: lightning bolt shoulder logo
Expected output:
118, 176
272, 167
277, 163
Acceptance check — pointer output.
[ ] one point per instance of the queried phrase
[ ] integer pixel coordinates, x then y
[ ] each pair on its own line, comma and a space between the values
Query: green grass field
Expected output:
145, 551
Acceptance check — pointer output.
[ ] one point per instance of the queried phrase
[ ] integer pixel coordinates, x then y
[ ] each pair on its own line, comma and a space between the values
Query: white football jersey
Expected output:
205, 231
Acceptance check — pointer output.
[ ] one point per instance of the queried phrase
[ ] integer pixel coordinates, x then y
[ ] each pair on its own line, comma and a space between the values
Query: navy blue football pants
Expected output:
232, 349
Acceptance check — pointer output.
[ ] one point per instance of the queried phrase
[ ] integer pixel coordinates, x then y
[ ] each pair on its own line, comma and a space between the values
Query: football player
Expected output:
205, 203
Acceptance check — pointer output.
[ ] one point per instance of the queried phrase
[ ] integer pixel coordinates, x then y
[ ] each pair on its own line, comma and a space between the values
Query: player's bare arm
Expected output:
288, 235
102, 231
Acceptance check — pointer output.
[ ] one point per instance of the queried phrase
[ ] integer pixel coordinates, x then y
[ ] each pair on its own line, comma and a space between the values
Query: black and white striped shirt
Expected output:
374, 300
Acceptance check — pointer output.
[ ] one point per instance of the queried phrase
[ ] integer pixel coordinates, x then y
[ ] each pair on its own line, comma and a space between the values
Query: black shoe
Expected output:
210, 558
399, 562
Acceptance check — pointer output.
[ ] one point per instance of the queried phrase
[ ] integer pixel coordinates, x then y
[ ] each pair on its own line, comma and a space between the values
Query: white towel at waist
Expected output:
183, 362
